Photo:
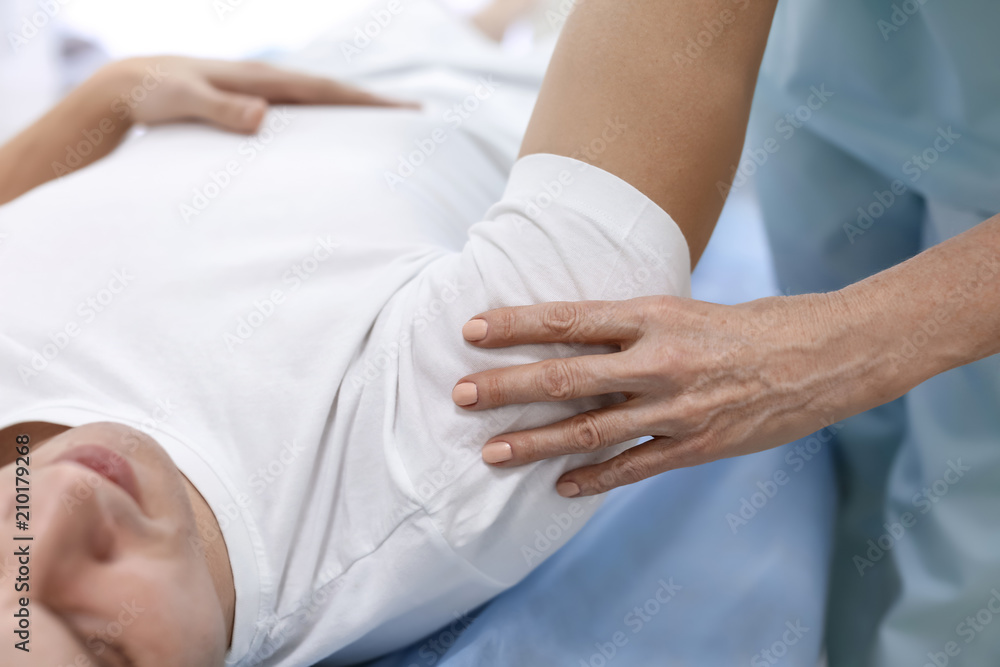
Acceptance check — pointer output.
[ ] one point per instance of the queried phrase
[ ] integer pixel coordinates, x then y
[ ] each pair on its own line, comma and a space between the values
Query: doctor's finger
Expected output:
549, 380
651, 458
585, 433
590, 322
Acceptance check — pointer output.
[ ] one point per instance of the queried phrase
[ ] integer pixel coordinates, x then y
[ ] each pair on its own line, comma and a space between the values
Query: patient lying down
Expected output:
249, 453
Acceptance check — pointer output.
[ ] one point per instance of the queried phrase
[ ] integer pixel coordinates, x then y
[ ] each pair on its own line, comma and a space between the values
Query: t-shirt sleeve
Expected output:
564, 230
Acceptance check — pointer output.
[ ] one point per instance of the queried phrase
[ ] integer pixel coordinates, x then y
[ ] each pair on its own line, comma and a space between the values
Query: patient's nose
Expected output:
71, 523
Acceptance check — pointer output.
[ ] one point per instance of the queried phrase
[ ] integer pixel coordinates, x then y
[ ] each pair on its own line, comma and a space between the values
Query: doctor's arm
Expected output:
709, 381
92, 120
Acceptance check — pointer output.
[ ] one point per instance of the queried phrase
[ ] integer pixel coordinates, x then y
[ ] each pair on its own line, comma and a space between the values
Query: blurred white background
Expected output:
50, 45
218, 28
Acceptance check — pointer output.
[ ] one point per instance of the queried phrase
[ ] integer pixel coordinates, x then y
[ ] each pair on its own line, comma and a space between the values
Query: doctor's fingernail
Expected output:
475, 330
465, 394
568, 489
497, 452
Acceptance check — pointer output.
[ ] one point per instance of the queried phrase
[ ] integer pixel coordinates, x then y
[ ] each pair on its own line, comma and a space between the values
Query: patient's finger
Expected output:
232, 111
325, 91
592, 322
633, 465
281, 86
549, 380
587, 432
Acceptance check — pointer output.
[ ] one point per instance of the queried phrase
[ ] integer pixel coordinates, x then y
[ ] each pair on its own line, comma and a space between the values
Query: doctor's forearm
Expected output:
932, 313
677, 115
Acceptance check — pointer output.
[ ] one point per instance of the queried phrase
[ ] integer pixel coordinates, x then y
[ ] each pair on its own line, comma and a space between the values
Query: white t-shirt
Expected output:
293, 345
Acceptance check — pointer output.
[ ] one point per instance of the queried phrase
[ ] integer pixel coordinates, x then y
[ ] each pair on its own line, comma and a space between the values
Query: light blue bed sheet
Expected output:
677, 570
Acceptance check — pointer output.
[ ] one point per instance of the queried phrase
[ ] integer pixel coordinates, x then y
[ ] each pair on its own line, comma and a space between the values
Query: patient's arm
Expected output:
92, 119
623, 61
32, 157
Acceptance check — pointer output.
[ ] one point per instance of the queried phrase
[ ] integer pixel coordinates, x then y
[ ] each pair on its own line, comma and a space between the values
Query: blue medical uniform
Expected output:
876, 134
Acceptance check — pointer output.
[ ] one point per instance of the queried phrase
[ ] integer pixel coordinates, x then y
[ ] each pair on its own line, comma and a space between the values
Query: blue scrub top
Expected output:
875, 134
908, 78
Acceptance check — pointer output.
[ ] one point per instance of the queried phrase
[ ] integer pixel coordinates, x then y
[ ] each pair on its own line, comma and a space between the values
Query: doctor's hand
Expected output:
231, 95
706, 381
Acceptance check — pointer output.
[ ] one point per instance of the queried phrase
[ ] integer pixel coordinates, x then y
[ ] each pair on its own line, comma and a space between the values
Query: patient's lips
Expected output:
106, 462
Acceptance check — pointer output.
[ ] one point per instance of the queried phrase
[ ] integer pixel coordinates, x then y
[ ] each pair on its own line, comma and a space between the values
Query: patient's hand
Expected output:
231, 95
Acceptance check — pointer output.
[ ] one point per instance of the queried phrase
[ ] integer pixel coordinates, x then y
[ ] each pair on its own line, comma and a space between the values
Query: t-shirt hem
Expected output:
602, 197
